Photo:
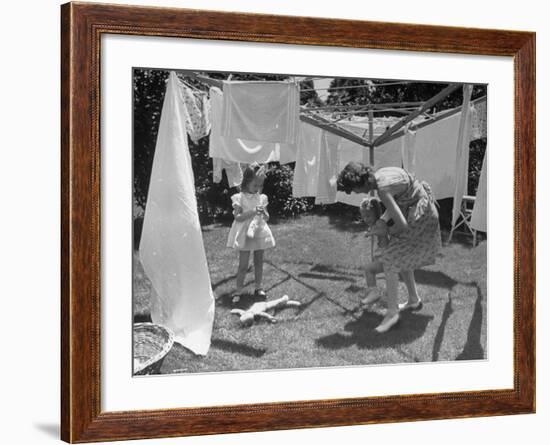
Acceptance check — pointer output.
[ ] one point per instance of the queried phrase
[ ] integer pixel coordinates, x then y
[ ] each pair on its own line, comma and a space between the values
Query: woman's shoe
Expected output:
373, 294
408, 306
386, 325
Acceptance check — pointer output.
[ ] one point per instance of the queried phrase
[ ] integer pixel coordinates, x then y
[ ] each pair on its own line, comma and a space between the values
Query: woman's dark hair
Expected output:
250, 172
354, 175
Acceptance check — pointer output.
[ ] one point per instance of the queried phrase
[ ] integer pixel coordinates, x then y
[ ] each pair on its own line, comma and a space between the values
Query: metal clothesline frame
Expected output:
393, 132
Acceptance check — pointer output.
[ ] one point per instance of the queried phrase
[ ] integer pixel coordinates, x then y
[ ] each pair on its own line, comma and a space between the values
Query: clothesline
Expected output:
366, 110
321, 122
373, 106
348, 87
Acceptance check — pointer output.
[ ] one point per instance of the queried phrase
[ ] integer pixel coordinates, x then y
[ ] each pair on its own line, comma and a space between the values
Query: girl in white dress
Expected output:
250, 232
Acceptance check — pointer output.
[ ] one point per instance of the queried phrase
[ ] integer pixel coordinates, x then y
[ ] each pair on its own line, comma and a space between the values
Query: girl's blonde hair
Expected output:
371, 204
252, 172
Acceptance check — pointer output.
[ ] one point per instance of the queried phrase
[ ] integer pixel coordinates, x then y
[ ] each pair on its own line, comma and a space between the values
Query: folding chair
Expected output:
464, 219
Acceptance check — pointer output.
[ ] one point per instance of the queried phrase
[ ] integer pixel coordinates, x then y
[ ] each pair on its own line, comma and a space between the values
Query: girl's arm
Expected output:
400, 222
379, 228
263, 202
242, 216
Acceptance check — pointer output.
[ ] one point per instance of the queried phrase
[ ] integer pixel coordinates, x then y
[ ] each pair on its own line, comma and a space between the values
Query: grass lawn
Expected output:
318, 262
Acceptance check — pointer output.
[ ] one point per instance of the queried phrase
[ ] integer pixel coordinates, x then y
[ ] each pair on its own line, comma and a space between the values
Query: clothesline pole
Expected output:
371, 162
428, 104
371, 138
330, 127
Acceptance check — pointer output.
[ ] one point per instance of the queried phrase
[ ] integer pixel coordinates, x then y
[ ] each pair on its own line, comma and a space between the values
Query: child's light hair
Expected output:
371, 204
252, 172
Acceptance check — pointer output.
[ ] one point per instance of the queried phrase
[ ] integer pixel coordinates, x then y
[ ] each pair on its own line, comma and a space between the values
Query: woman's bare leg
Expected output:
410, 282
392, 314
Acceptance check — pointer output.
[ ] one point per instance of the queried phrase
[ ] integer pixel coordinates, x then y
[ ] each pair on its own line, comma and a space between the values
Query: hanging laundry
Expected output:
351, 152
241, 150
233, 171
435, 155
197, 116
462, 152
479, 120
479, 213
261, 111
328, 168
408, 150
306, 170
171, 248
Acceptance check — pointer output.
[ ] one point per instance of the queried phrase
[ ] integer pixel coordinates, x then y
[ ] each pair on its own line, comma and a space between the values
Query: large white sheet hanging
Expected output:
462, 152
479, 213
436, 155
328, 169
242, 150
171, 248
261, 111
306, 170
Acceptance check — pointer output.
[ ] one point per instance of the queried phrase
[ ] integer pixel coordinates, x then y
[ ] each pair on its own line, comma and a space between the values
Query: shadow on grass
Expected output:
238, 348
142, 318
438, 340
473, 350
361, 332
435, 278
346, 222
318, 294
324, 268
317, 276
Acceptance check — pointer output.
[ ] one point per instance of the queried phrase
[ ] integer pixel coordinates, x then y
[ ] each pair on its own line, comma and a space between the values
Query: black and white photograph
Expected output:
286, 221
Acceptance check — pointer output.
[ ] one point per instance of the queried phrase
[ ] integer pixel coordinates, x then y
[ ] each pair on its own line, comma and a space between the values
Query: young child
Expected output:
250, 212
371, 210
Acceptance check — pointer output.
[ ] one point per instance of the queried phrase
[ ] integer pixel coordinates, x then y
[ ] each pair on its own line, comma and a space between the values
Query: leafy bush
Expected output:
278, 188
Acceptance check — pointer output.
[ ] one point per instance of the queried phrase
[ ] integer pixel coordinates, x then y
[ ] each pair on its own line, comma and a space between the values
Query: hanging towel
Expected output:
479, 213
241, 150
408, 149
233, 171
261, 111
328, 168
462, 152
171, 248
479, 120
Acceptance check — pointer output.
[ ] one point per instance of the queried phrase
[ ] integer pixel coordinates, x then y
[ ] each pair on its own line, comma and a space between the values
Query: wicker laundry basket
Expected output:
151, 344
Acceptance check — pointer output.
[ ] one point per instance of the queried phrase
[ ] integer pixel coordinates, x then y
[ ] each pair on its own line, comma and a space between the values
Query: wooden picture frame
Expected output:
82, 26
